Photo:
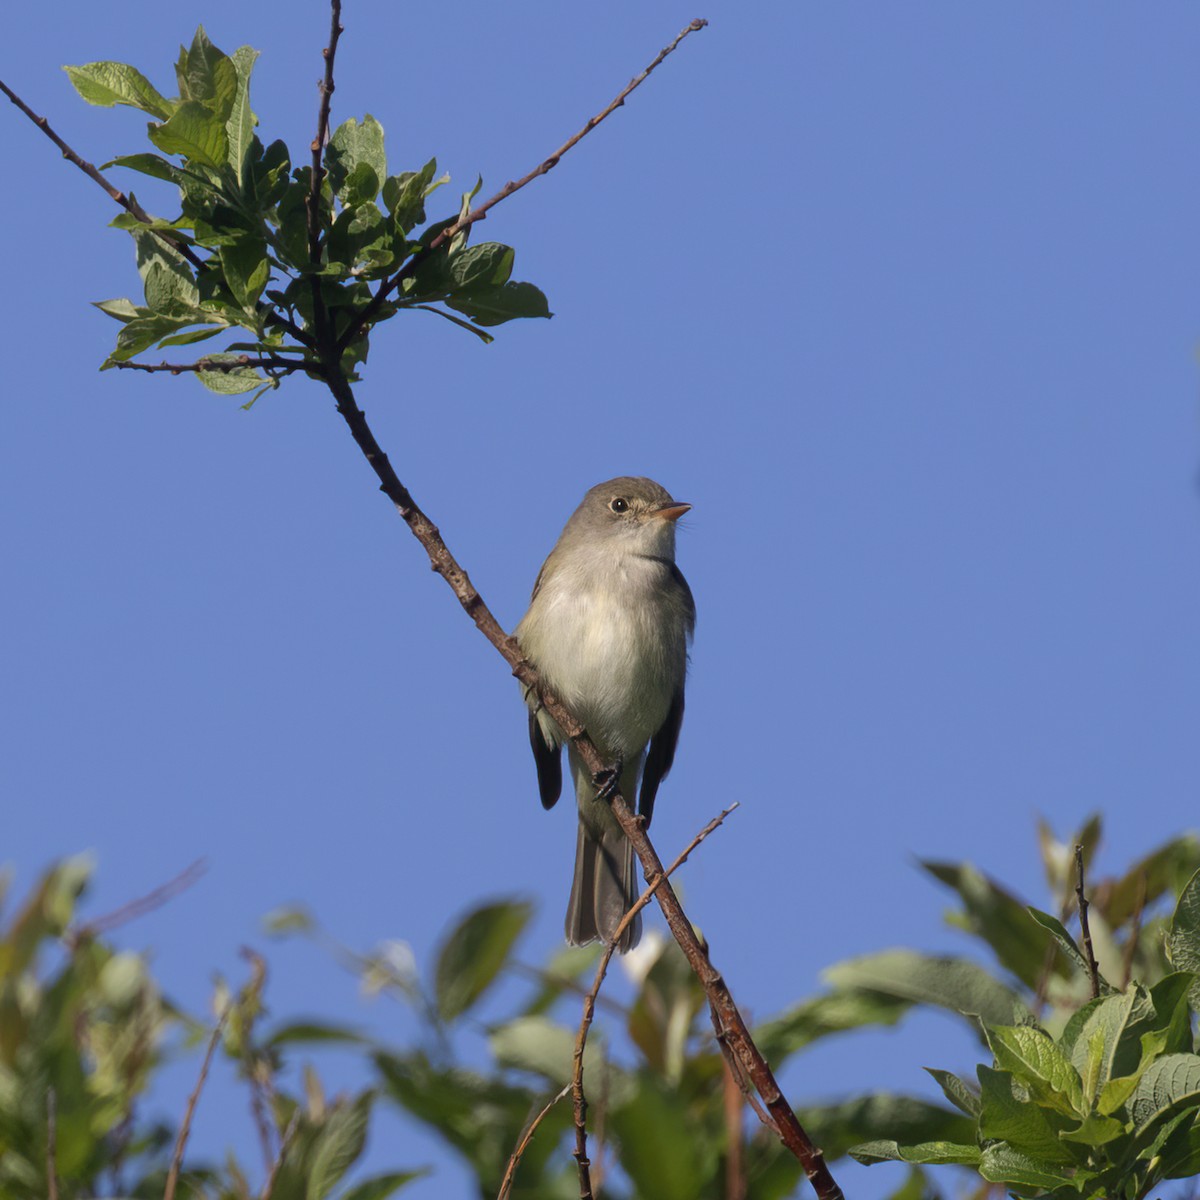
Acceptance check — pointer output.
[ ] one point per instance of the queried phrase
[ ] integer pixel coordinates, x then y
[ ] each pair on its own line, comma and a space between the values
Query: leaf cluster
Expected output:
1086, 1096
301, 271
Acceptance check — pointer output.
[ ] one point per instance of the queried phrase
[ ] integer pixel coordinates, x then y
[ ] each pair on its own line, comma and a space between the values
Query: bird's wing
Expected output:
660, 756
549, 764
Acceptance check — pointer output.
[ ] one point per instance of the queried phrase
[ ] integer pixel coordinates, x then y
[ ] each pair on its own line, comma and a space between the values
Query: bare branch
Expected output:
284, 1145
186, 1128
51, 1145
514, 1161
589, 1003
153, 899
1093, 966
269, 362
318, 142
478, 214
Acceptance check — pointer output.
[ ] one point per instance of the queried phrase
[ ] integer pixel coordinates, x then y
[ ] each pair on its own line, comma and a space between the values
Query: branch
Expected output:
318, 142
478, 214
589, 1003
269, 362
514, 1161
186, 1128
1093, 966
727, 1019
51, 1146
139, 907
128, 202
285, 1144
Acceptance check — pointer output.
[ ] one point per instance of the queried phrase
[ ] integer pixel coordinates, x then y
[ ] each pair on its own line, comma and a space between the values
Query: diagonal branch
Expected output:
478, 214
185, 1128
727, 1020
589, 1003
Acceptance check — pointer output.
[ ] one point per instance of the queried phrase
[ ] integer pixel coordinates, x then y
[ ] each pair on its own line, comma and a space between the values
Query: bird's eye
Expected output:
619, 504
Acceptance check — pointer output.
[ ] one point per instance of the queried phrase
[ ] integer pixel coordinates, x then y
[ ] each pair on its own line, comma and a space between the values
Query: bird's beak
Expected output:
672, 511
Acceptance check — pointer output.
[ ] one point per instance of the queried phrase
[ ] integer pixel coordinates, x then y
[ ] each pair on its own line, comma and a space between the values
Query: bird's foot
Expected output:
608, 781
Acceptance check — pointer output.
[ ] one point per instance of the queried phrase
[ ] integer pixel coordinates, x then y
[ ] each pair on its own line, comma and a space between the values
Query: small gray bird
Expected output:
608, 629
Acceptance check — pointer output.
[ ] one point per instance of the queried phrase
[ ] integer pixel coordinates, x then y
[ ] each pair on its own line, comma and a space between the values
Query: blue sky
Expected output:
902, 299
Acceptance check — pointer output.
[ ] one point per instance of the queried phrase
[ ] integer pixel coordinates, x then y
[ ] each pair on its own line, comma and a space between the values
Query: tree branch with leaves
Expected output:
302, 264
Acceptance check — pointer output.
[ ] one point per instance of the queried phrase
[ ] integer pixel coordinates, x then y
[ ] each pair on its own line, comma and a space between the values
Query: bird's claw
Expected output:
608, 781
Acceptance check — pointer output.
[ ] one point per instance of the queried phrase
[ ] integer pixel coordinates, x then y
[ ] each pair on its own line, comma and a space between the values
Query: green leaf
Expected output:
485, 338
195, 133
1008, 1115
356, 160
538, 1045
208, 77
1170, 1084
283, 921
110, 83
193, 335
1111, 1038
487, 265
247, 270
1163, 870
952, 983
140, 334
153, 165
997, 917
1183, 940
379, 1187
822, 1016
1002, 1164
313, 1033
923, 1152
170, 292
230, 383
239, 128
482, 1118
475, 953
665, 1151
1061, 935
123, 310
495, 305
1040, 1064
957, 1091
338, 1145
908, 1119
1095, 1130
404, 195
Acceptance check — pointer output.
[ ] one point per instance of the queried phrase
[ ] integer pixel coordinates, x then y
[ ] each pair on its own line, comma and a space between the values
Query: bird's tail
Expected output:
603, 889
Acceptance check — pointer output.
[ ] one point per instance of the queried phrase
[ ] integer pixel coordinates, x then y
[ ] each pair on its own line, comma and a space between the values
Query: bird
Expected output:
608, 630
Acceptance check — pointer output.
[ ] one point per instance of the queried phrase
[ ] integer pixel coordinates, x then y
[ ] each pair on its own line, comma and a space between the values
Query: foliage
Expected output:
1080, 1096
254, 245
1084, 1096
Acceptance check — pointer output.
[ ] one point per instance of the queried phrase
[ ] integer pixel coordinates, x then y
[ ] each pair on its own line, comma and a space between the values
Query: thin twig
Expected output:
478, 214
514, 1160
51, 1146
735, 1167
322, 136
589, 1003
186, 1128
738, 1071
1135, 932
272, 362
1093, 966
284, 1145
134, 909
